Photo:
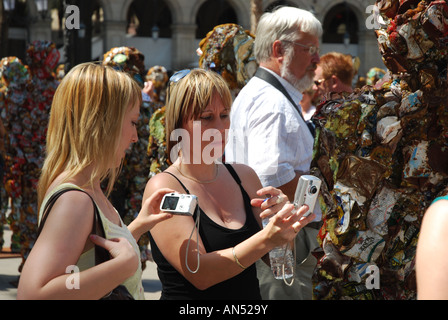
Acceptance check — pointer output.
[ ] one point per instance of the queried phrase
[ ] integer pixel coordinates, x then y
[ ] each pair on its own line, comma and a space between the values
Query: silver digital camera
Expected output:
307, 192
177, 203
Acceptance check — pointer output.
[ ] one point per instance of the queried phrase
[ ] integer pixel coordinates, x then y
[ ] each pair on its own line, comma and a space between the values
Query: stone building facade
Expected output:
181, 24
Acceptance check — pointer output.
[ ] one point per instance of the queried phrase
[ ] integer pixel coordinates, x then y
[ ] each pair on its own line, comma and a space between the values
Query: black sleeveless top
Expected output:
215, 237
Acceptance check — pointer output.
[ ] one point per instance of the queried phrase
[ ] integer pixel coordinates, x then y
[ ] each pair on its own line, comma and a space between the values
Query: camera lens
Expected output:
313, 189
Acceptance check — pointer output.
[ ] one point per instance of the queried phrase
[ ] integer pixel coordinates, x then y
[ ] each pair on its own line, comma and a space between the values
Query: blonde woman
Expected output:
92, 123
220, 263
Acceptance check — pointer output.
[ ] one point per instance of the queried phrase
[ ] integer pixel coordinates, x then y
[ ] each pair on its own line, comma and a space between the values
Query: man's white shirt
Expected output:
268, 134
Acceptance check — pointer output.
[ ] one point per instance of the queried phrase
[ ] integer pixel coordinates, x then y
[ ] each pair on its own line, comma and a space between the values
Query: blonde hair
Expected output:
189, 96
86, 120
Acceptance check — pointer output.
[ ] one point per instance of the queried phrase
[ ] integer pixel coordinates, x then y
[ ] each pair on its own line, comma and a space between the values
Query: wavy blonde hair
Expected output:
85, 124
189, 96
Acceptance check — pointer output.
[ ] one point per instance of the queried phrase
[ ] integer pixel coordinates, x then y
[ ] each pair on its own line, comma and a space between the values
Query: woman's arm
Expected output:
150, 214
172, 237
432, 253
59, 246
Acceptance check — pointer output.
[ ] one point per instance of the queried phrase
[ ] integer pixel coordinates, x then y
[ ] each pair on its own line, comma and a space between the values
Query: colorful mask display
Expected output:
382, 155
25, 101
127, 59
228, 50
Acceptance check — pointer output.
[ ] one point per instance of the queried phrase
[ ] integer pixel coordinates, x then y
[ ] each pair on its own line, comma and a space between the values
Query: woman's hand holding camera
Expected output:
285, 220
149, 214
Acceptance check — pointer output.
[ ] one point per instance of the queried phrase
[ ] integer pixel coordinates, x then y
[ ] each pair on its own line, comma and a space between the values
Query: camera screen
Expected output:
170, 203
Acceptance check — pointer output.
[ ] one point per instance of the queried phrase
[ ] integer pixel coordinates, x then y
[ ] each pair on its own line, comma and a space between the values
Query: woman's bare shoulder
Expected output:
248, 177
244, 171
73, 204
163, 180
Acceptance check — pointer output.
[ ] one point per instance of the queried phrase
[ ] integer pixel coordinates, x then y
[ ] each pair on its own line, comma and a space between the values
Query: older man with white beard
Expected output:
268, 132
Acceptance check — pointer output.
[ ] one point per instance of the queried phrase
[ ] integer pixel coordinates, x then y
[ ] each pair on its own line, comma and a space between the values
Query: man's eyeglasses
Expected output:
319, 82
312, 50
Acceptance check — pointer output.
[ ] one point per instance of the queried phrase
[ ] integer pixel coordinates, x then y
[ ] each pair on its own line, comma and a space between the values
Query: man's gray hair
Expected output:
284, 24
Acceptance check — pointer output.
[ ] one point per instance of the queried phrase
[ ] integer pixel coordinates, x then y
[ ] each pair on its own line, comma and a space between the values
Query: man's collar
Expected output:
295, 94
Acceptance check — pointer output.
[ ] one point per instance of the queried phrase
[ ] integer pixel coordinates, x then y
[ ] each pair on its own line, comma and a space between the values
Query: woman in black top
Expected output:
230, 236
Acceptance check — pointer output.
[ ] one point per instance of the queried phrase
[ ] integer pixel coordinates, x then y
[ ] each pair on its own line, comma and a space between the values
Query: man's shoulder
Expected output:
257, 84
258, 92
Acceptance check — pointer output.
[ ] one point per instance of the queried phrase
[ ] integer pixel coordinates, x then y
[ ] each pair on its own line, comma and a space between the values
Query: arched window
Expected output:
57, 12
18, 15
339, 23
97, 18
145, 15
213, 13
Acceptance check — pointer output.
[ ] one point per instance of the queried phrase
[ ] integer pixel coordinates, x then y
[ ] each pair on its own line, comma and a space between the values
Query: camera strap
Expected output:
196, 226
284, 264
273, 81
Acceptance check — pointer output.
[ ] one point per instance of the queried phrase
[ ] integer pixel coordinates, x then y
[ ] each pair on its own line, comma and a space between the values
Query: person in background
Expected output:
92, 124
156, 81
334, 73
308, 103
268, 132
218, 262
431, 258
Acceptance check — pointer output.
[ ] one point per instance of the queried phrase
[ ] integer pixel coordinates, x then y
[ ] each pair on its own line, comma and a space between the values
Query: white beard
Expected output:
301, 84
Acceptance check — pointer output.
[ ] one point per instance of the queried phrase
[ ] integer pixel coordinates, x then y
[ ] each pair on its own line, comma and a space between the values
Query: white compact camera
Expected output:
177, 203
307, 192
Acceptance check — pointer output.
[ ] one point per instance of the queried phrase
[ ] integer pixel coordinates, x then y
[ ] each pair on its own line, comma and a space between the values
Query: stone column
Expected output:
184, 46
114, 34
368, 51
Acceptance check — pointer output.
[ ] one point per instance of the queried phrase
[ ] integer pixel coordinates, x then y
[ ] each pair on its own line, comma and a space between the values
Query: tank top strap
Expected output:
228, 166
185, 188
233, 173
246, 198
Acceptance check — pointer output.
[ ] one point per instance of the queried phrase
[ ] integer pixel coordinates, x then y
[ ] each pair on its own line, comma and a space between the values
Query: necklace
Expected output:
199, 181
